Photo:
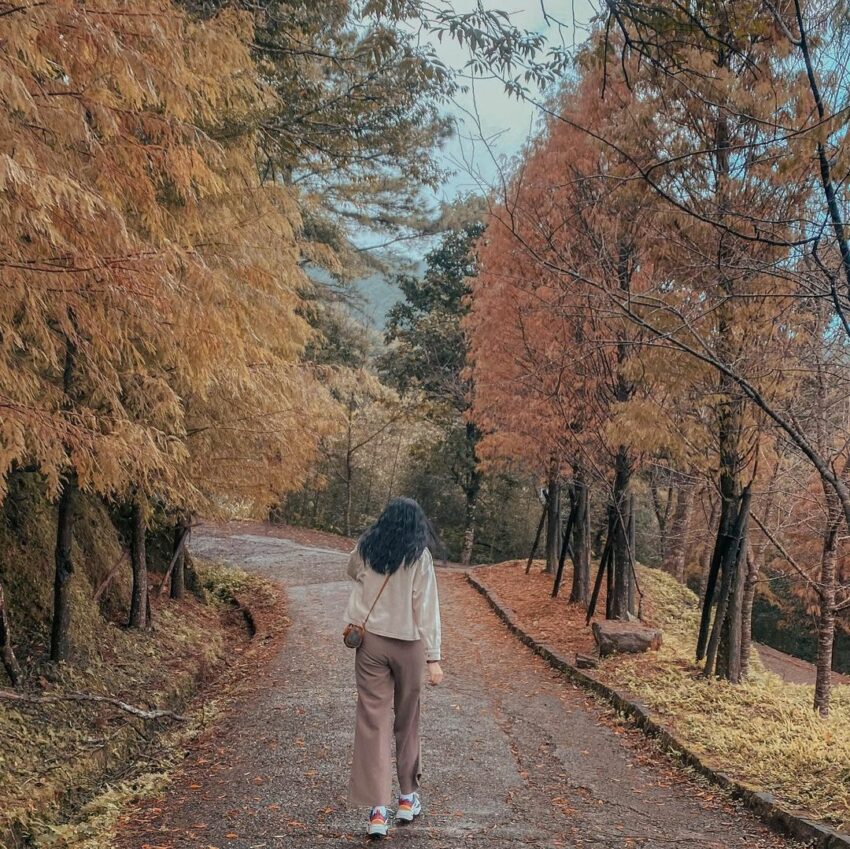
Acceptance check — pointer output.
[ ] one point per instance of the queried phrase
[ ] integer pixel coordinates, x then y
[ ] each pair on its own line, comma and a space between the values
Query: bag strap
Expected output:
380, 591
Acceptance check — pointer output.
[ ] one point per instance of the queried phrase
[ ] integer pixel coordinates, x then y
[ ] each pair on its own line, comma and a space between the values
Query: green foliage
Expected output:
508, 508
427, 348
356, 121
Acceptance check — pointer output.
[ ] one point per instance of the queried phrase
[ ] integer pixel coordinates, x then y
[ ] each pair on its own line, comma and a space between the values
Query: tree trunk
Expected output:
826, 599
565, 546
753, 566
469, 524
178, 573
604, 569
59, 635
472, 486
729, 416
348, 494
662, 512
7, 652
621, 548
349, 462
537, 536
138, 561
677, 538
391, 486
581, 542
726, 631
730, 663
705, 557
632, 548
609, 571
553, 520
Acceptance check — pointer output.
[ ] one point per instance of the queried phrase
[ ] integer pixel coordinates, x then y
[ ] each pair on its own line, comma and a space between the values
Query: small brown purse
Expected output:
353, 635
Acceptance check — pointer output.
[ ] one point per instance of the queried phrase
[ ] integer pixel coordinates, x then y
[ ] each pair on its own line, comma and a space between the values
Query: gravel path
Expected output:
514, 755
793, 669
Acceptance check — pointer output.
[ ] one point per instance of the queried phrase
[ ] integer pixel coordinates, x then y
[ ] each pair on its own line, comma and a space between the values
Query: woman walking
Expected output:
394, 620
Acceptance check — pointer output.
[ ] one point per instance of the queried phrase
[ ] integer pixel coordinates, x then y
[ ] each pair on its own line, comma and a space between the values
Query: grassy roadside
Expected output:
764, 732
68, 768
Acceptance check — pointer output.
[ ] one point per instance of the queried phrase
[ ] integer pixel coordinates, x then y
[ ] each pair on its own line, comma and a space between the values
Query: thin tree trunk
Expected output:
826, 600
348, 494
349, 471
753, 566
632, 536
391, 487
60, 645
471, 489
727, 611
537, 536
565, 547
469, 524
604, 568
368, 499
621, 548
7, 652
730, 664
662, 512
705, 557
178, 573
581, 542
553, 520
138, 562
609, 584
59, 635
677, 539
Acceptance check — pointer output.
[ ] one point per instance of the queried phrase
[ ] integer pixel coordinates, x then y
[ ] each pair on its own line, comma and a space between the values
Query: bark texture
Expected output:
826, 599
621, 573
580, 590
753, 566
553, 521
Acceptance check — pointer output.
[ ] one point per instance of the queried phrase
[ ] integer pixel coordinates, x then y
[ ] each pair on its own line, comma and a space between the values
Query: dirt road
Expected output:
514, 755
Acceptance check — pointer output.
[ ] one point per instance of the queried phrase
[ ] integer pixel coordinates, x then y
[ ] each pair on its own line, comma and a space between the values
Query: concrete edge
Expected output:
763, 804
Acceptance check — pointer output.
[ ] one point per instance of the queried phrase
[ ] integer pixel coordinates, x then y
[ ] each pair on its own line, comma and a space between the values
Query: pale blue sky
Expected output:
492, 125
491, 128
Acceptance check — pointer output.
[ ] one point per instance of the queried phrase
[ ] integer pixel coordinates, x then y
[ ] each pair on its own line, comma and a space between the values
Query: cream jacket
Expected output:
408, 609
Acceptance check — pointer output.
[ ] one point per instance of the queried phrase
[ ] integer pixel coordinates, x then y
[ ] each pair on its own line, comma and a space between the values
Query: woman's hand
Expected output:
435, 673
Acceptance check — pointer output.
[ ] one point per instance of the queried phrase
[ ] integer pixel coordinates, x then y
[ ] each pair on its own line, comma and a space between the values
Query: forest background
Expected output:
631, 348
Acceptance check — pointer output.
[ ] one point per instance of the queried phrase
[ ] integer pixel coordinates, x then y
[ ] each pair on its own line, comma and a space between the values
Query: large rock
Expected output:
615, 637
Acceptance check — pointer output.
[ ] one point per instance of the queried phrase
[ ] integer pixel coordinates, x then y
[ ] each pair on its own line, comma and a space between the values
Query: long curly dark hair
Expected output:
399, 536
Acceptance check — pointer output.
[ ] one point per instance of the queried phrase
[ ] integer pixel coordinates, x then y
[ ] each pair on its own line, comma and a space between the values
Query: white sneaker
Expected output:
409, 809
379, 822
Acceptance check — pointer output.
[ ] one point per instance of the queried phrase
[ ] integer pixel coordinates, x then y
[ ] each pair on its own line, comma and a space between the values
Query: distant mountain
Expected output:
379, 293
375, 294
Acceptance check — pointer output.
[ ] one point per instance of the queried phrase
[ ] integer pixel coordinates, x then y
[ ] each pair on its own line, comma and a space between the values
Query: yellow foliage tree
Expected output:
151, 289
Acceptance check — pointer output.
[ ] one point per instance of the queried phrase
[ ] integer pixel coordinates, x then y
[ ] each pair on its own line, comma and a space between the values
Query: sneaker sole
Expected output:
377, 831
406, 818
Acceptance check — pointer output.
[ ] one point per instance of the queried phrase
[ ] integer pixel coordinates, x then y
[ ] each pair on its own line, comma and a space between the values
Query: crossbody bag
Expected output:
353, 635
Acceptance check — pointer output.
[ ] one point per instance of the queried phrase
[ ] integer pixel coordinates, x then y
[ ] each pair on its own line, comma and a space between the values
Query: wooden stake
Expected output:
565, 547
537, 537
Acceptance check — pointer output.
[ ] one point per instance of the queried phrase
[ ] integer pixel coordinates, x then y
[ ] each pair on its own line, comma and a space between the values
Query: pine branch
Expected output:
91, 697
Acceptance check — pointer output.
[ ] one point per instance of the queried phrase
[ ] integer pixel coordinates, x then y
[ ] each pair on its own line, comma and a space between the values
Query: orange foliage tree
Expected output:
151, 292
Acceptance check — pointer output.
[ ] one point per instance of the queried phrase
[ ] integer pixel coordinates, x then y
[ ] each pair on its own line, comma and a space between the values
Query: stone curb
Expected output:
763, 804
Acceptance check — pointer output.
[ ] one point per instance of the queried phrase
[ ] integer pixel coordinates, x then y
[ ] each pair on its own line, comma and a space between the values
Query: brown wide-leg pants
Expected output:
389, 680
